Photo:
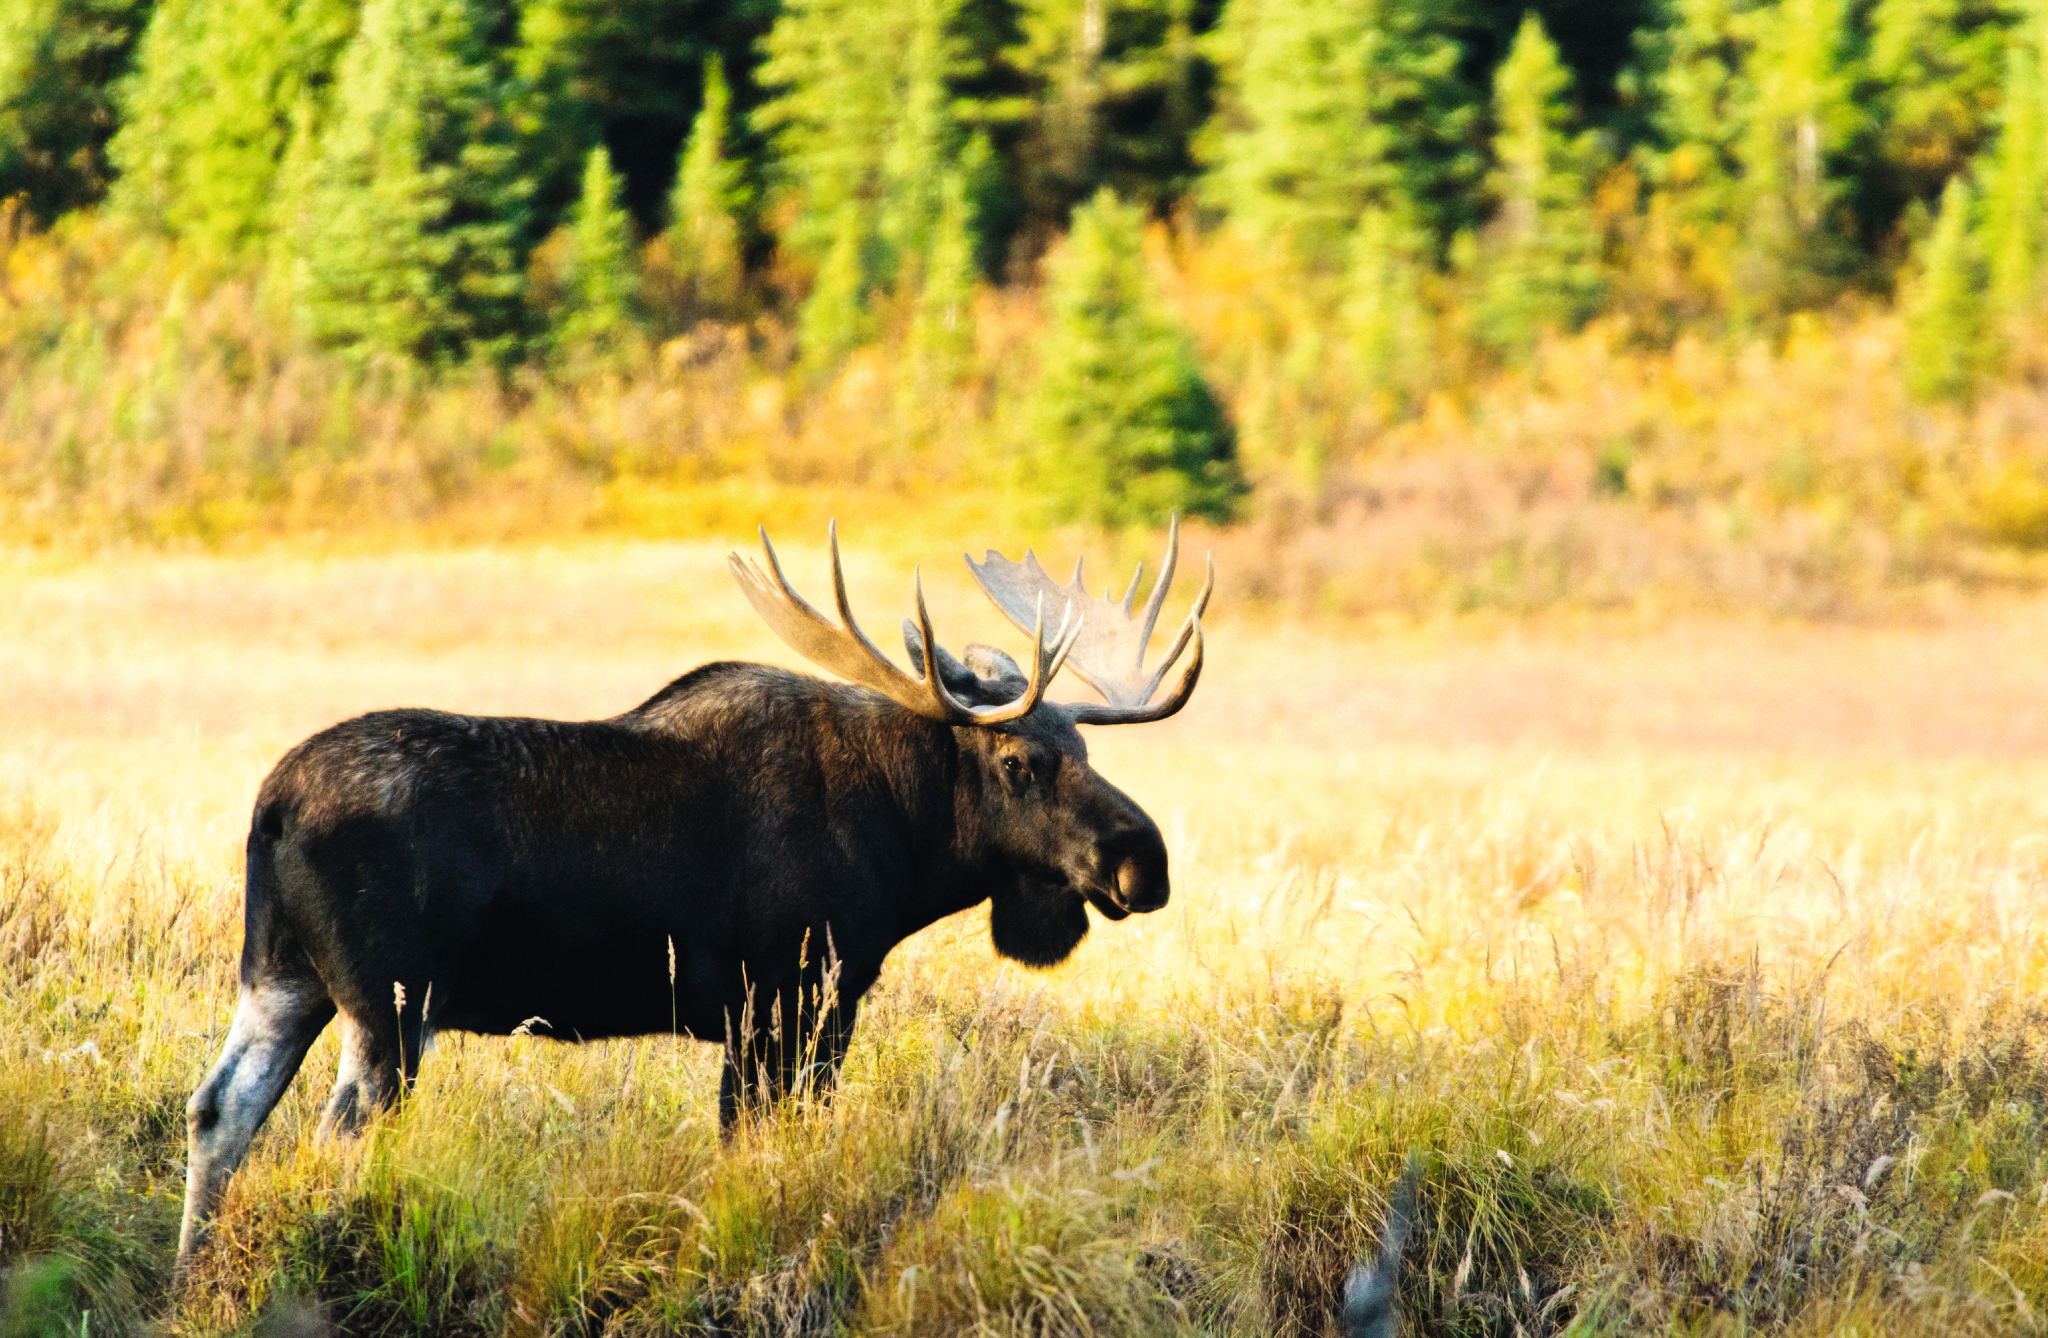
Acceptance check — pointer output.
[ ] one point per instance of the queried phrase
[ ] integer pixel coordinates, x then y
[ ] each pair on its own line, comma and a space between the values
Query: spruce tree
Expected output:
1542, 269
1938, 65
1697, 60
859, 92
1386, 325
601, 276
208, 114
1061, 53
1944, 306
1331, 107
60, 61
923, 140
629, 73
833, 321
703, 233
1123, 429
1800, 111
288, 225
410, 247
942, 327
865, 121
1115, 93
1755, 101
2016, 187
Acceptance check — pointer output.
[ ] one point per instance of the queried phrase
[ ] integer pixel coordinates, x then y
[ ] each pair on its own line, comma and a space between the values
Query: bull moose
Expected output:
732, 859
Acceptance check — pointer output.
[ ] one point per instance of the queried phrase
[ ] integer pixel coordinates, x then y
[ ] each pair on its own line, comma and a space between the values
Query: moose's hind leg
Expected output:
275, 1023
378, 1060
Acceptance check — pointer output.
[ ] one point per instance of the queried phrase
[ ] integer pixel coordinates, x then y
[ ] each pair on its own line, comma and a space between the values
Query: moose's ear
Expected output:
988, 662
1000, 678
958, 678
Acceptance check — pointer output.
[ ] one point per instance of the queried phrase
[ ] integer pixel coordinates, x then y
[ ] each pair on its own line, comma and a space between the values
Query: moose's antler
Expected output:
1109, 645
846, 651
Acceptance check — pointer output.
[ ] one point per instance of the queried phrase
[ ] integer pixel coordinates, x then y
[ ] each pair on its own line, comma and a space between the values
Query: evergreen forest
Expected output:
1768, 263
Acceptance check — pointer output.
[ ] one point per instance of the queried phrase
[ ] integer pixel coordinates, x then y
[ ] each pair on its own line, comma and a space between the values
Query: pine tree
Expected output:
411, 240
704, 234
1123, 428
1331, 107
208, 114
1944, 308
1543, 267
601, 278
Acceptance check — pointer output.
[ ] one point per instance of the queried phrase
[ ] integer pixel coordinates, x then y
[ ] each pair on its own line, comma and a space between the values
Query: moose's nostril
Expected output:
1139, 890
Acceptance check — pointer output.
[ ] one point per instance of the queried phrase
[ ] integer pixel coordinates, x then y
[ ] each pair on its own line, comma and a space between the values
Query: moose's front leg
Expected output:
752, 1075
739, 1081
791, 1039
829, 1031
380, 1060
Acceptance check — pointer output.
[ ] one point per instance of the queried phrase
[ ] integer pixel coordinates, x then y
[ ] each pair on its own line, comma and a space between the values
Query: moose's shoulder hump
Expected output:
738, 690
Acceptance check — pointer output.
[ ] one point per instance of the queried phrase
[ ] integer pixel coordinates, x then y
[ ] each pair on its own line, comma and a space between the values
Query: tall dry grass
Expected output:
1704, 962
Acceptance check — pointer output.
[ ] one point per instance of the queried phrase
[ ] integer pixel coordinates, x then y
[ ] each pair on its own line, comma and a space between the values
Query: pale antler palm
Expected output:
1109, 646
846, 651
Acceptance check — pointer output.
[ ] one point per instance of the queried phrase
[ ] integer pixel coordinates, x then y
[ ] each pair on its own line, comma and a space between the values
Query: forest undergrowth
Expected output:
1789, 472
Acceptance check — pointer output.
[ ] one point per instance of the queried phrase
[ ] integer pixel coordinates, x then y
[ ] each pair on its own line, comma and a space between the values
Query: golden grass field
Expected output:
1706, 961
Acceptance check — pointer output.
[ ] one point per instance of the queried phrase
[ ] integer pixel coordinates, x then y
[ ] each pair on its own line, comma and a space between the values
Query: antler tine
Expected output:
1064, 639
774, 565
846, 650
1045, 663
1110, 652
846, 606
934, 681
1192, 625
1159, 587
1131, 590
843, 648
1089, 714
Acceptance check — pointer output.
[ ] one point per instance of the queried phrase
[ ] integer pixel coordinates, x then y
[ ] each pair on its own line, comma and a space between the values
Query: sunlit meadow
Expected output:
1702, 961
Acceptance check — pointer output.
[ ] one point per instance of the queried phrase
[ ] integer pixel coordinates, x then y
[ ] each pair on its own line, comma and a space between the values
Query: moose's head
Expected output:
1053, 836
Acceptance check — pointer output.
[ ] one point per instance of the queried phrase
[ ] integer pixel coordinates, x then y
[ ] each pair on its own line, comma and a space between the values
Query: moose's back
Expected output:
544, 868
